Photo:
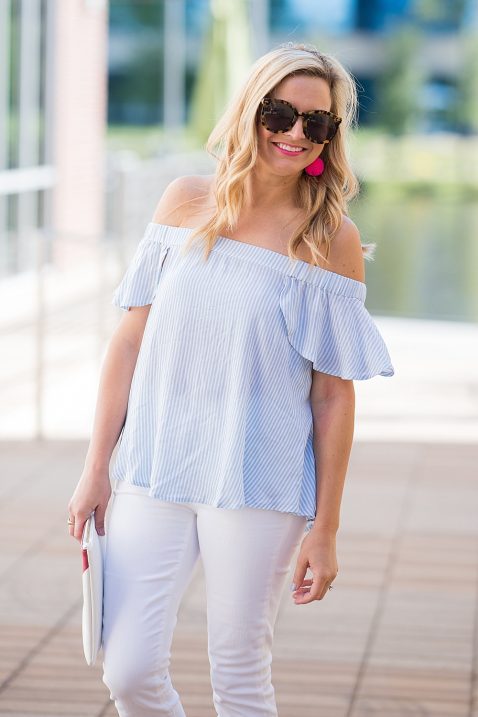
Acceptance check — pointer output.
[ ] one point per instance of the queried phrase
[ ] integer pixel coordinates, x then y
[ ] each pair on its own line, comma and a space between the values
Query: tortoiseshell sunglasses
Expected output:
320, 126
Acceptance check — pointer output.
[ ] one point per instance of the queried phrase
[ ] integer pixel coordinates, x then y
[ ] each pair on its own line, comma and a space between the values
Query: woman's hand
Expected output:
318, 551
91, 494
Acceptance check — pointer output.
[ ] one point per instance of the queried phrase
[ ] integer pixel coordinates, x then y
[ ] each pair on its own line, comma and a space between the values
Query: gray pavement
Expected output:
397, 635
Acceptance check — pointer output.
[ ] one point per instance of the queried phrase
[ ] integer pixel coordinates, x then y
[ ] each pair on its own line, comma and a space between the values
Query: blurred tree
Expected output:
466, 108
400, 84
225, 59
440, 15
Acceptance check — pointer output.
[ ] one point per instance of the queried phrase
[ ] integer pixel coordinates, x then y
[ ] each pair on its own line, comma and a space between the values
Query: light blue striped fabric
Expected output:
219, 408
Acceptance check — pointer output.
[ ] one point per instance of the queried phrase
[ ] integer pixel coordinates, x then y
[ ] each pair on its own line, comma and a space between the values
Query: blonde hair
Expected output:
324, 198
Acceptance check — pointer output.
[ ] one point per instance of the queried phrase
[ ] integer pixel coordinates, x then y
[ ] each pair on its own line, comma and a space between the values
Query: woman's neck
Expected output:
266, 191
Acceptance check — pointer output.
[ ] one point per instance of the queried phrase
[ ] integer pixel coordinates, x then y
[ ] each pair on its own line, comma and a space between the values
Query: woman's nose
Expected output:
297, 131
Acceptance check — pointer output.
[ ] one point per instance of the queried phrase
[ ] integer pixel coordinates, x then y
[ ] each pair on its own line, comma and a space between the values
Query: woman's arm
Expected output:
333, 413
333, 407
333, 399
114, 387
93, 490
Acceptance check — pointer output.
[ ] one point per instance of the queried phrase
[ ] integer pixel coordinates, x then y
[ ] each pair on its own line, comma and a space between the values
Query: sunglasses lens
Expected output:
277, 117
321, 127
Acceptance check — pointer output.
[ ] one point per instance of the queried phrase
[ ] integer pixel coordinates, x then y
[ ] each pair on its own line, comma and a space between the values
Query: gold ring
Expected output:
70, 521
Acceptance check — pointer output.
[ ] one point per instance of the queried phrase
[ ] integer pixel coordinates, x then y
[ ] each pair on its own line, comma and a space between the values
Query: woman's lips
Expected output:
288, 154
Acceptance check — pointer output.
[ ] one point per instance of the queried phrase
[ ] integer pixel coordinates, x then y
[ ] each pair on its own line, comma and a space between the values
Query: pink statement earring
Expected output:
315, 168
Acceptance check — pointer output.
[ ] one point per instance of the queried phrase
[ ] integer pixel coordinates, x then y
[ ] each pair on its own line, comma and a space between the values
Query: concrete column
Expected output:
80, 116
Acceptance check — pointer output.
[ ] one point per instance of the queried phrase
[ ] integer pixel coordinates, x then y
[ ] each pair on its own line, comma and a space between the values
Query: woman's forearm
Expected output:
113, 392
333, 429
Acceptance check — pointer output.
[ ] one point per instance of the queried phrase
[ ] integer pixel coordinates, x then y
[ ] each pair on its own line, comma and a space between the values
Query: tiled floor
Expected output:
397, 636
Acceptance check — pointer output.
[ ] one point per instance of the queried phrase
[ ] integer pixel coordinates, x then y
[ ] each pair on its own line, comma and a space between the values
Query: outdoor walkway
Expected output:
396, 636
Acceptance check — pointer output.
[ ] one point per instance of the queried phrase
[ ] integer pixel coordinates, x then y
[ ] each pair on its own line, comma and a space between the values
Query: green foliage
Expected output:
401, 82
226, 58
466, 109
433, 11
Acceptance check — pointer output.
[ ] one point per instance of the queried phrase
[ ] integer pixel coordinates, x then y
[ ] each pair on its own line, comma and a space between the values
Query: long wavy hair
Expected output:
234, 143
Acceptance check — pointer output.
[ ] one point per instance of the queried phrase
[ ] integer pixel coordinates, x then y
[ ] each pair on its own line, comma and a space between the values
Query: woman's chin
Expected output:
277, 165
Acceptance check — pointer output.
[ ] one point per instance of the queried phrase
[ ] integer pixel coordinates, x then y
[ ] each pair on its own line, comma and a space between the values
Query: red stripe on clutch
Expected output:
85, 559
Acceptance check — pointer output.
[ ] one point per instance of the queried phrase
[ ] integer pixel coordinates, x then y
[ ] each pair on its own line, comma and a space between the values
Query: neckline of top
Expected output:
298, 269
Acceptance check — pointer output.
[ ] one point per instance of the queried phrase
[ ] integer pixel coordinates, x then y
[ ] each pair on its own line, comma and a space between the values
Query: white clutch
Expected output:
93, 552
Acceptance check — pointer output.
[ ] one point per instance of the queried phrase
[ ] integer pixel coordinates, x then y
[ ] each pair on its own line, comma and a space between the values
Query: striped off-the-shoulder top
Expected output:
219, 407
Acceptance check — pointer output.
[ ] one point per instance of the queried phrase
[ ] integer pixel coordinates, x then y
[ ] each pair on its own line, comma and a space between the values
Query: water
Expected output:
426, 259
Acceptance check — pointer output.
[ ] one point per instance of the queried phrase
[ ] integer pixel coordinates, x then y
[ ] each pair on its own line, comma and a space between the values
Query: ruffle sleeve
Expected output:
328, 324
139, 283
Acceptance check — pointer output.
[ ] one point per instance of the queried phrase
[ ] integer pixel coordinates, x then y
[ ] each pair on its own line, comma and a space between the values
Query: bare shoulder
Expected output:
182, 198
346, 253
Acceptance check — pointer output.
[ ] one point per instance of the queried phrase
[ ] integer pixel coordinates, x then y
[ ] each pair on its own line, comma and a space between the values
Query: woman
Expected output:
230, 377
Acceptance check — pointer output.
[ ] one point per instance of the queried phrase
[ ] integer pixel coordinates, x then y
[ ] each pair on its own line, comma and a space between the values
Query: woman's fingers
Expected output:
309, 581
79, 525
100, 520
315, 589
76, 530
88, 498
307, 594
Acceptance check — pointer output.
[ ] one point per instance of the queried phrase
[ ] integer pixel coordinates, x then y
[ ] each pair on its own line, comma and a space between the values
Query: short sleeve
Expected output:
332, 328
139, 283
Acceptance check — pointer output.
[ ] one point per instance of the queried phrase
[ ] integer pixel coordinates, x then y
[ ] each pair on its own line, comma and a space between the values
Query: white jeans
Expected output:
151, 549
